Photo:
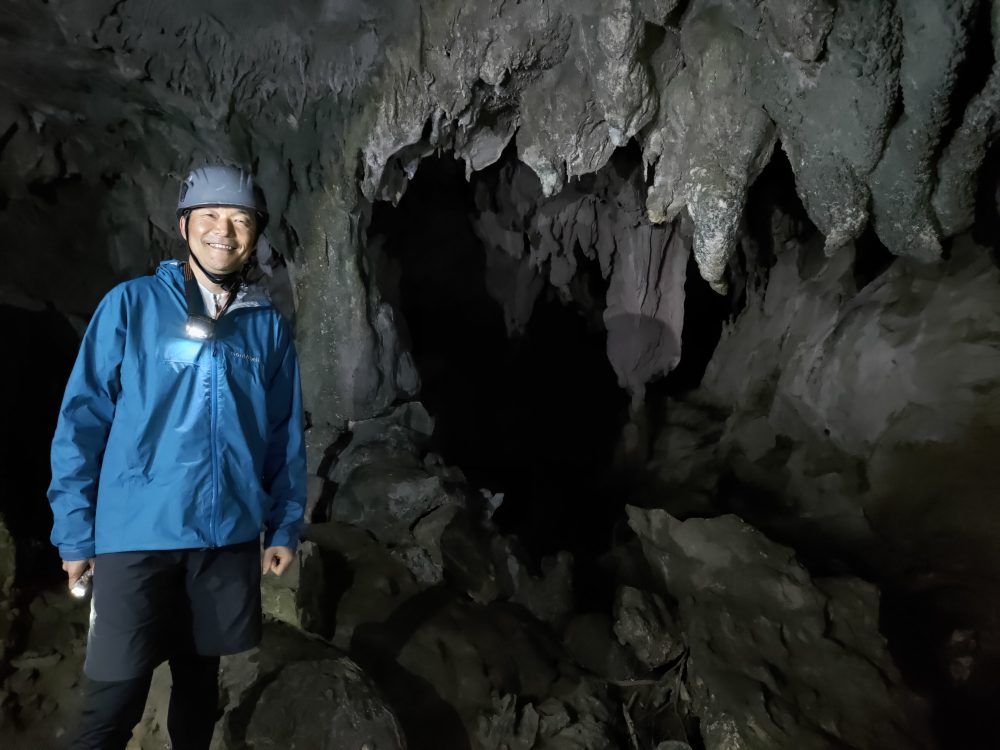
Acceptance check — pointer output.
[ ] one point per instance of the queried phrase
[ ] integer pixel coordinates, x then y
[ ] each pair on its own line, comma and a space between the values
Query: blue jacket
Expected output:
165, 442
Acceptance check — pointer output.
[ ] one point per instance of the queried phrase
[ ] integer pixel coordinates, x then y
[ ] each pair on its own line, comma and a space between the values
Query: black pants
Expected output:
186, 607
112, 709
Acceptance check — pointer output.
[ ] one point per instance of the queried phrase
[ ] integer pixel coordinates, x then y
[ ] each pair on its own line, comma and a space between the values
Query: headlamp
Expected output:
199, 327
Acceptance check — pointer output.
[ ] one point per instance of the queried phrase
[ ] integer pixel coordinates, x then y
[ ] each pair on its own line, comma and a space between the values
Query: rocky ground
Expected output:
421, 626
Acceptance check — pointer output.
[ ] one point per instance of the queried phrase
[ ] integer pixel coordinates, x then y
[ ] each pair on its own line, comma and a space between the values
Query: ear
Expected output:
181, 226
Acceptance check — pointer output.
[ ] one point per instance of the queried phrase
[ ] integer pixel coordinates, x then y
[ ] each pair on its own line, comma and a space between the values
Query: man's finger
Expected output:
282, 561
270, 561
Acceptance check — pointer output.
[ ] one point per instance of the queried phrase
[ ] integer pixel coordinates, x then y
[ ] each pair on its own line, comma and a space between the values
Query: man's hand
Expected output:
276, 560
76, 568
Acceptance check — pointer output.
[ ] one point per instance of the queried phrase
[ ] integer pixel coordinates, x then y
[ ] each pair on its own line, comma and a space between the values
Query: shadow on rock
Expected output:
430, 722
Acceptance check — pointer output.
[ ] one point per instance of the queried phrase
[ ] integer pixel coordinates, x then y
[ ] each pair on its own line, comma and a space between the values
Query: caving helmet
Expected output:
220, 185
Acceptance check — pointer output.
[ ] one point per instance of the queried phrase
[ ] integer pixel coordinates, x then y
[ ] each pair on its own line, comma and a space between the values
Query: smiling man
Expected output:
179, 442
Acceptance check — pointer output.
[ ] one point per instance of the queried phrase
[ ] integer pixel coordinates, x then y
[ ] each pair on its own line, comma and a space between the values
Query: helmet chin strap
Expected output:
226, 280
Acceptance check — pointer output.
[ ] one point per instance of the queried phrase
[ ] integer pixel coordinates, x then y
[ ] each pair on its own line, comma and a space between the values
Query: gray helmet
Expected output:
222, 186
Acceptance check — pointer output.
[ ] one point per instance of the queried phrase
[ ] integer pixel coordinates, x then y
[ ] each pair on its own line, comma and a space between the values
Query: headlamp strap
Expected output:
195, 302
227, 281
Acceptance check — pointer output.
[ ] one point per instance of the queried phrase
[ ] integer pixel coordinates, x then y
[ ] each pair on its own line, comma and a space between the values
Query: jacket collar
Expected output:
249, 294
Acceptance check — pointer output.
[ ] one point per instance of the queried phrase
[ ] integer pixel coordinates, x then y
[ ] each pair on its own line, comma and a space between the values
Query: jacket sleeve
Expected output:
285, 462
84, 422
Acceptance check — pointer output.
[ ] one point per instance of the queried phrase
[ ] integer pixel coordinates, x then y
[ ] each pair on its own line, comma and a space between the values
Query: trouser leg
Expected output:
110, 712
194, 701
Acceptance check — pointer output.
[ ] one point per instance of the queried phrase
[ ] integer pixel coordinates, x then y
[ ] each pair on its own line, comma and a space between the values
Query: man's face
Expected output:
222, 237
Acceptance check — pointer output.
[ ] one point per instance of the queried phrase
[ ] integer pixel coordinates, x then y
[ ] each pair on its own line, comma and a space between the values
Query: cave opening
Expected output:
535, 415
32, 397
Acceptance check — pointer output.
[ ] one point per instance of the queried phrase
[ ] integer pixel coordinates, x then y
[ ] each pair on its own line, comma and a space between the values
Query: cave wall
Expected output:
107, 104
852, 416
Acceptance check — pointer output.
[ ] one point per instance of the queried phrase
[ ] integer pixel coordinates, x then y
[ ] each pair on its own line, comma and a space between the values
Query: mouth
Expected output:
221, 246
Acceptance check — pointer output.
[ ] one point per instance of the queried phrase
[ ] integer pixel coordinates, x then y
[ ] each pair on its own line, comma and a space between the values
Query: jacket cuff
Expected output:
281, 538
71, 554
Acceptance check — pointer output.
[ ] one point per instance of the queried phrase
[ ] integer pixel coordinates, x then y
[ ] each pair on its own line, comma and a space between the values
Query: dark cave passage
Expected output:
537, 416
41, 347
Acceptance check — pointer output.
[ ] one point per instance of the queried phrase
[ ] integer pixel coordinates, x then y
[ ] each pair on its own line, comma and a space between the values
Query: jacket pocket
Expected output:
184, 352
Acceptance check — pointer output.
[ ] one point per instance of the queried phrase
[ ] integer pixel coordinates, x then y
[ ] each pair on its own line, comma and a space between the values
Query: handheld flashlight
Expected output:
82, 586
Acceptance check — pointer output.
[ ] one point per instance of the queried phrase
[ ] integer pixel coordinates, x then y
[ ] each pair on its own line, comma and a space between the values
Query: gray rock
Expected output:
548, 596
799, 417
685, 460
643, 622
709, 141
902, 182
590, 639
388, 499
398, 437
954, 197
834, 115
801, 27
323, 705
645, 264
777, 659
8, 554
578, 715
507, 727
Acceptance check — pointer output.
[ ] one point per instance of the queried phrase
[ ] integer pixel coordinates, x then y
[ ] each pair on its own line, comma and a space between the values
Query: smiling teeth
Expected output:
221, 247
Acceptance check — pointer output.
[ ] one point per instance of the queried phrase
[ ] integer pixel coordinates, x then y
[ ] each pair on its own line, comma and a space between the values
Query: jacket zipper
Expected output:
212, 523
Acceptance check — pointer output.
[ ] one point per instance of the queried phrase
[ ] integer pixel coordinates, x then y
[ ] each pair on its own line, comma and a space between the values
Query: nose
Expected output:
224, 226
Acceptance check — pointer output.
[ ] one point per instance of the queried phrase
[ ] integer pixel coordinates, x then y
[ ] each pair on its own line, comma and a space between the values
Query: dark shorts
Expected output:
148, 606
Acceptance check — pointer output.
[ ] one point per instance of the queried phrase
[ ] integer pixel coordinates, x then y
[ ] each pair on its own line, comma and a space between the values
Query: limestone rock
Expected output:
833, 115
710, 140
548, 596
643, 622
7, 569
326, 705
388, 499
801, 27
645, 264
590, 639
385, 485
776, 658
962, 157
902, 182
